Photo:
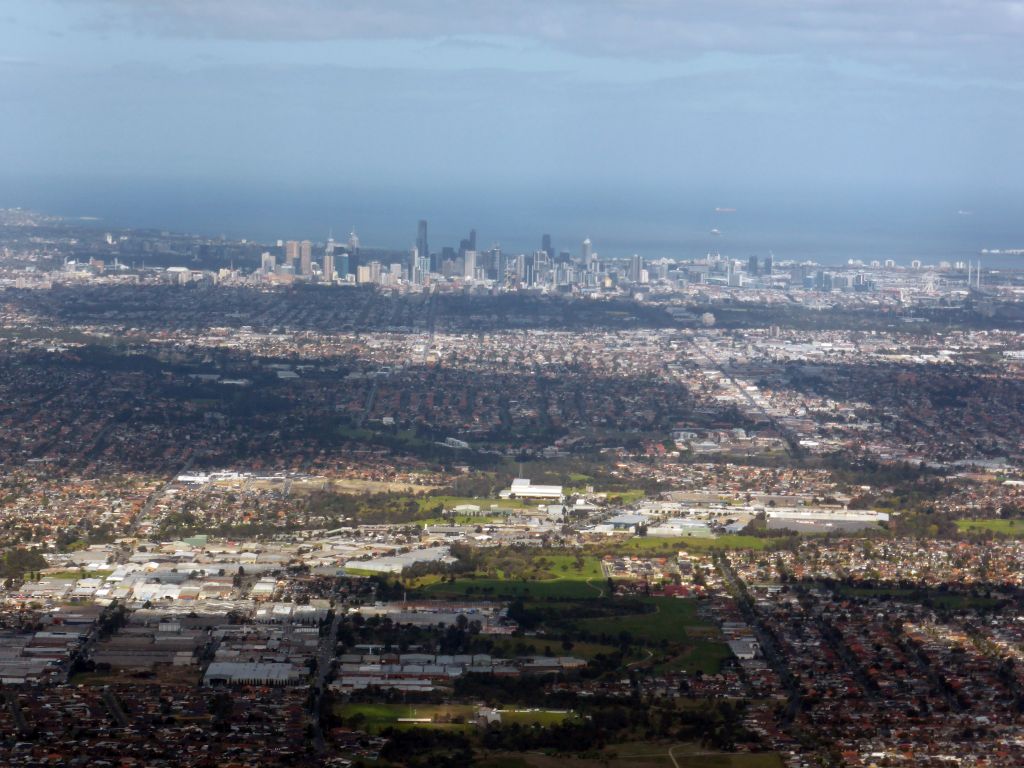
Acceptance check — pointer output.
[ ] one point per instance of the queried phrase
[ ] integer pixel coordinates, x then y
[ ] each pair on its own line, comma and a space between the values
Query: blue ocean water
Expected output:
828, 226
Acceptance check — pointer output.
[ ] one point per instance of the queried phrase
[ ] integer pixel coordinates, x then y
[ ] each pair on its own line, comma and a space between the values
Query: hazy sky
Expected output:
563, 94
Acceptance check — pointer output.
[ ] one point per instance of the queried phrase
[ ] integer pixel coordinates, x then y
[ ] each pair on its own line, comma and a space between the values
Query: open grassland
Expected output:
508, 647
689, 642
556, 589
698, 654
668, 621
376, 486
539, 717
630, 496
100, 573
430, 503
540, 575
996, 525
568, 567
375, 718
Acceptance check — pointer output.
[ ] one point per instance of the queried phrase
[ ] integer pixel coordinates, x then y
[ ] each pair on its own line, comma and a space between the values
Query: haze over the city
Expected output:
833, 127
511, 384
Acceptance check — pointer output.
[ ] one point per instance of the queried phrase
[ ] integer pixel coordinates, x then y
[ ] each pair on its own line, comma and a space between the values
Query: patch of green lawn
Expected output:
997, 525
501, 588
667, 621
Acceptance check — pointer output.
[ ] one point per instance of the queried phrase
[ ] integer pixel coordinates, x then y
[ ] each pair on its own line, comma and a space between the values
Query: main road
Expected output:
325, 656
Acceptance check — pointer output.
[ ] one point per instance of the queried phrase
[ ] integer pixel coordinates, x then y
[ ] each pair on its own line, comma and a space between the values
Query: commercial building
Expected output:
522, 488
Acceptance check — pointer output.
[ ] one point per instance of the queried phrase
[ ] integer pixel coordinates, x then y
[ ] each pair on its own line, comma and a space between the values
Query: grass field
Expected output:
699, 654
100, 573
694, 645
534, 717
507, 647
370, 486
572, 589
361, 572
380, 717
626, 497
669, 621
997, 525
552, 576
565, 567
428, 503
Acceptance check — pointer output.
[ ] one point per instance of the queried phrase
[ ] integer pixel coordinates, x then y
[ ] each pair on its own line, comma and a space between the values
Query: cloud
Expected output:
644, 28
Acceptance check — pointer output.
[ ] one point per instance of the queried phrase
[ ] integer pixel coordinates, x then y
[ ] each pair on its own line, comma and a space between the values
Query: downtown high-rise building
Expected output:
545, 245
353, 254
497, 264
422, 246
467, 243
420, 268
329, 266
306, 257
291, 252
636, 268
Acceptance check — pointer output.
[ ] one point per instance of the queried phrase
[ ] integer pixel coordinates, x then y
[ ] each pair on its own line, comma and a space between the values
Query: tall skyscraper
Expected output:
291, 252
636, 267
467, 243
498, 264
421, 239
752, 265
353, 254
469, 264
329, 266
585, 252
545, 245
306, 257
420, 268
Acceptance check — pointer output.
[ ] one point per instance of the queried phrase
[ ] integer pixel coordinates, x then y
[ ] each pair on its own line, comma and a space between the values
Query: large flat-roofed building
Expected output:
823, 520
398, 563
678, 527
627, 522
522, 488
252, 673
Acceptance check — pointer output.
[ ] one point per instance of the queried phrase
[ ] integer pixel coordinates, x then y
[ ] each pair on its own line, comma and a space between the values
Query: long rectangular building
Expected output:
823, 520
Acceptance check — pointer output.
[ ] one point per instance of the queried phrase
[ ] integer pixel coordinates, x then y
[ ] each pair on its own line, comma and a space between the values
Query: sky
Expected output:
626, 108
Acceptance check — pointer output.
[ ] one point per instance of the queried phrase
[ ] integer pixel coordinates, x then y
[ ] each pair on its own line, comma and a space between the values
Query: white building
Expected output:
522, 488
